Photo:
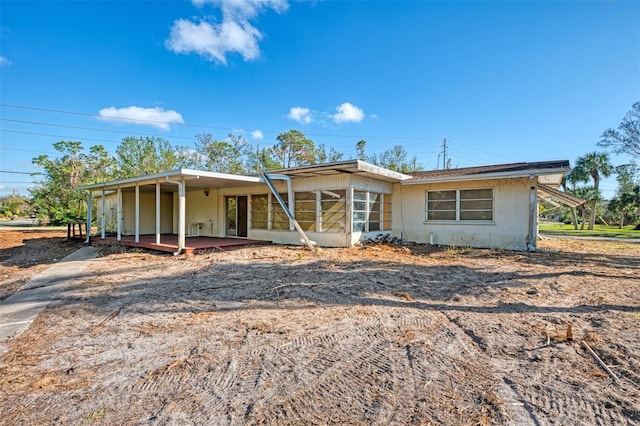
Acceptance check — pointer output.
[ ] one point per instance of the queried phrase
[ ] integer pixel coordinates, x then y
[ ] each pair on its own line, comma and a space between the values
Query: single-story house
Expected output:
335, 205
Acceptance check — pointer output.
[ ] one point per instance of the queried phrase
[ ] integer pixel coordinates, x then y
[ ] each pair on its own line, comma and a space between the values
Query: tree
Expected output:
221, 156
627, 199
593, 165
57, 197
146, 155
626, 139
569, 178
292, 150
360, 150
324, 155
396, 159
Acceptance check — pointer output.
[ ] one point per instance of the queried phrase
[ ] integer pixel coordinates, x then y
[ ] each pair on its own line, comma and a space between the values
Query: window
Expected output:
370, 211
386, 212
334, 210
279, 219
305, 210
259, 211
460, 205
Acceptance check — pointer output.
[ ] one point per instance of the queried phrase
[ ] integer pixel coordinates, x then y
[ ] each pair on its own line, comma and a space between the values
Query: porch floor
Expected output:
169, 242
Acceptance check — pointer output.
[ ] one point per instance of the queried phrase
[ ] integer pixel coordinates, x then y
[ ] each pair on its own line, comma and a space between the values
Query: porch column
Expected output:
119, 215
158, 213
137, 231
103, 218
89, 218
181, 215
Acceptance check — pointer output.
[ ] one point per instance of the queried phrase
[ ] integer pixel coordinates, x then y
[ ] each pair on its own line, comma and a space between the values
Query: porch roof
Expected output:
198, 179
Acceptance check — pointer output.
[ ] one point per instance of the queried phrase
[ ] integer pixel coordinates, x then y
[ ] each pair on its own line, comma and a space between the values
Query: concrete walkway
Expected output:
19, 310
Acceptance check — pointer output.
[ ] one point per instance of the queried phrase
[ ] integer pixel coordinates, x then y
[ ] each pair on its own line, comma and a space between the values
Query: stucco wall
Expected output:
508, 230
201, 209
147, 213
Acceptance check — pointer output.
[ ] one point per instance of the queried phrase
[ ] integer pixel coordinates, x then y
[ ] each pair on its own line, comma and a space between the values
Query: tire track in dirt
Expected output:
540, 404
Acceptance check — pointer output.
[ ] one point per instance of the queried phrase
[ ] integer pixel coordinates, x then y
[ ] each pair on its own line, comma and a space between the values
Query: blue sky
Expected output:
502, 81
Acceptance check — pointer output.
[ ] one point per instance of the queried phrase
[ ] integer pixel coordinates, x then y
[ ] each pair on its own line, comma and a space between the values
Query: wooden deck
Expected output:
169, 242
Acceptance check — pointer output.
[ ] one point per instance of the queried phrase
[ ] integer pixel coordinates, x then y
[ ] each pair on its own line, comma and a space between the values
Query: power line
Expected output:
41, 123
20, 173
203, 126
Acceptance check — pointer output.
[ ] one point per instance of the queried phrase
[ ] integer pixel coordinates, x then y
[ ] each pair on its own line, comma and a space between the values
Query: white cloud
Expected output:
4, 62
155, 117
300, 114
257, 134
348, 112
374, 116
235, 34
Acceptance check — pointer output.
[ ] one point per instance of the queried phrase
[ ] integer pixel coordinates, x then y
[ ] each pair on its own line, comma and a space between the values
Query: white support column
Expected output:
158, 213
182, 209
89, 218
137, 231
119, 215
103, 216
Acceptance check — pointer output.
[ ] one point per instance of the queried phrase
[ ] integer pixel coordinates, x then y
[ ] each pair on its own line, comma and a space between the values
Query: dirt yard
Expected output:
380, 335
25, 253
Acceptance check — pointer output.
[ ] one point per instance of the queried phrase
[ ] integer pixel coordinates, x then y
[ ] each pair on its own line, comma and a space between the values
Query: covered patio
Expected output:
169, 243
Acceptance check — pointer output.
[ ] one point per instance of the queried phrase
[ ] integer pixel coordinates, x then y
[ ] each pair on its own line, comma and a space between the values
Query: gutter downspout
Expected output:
533, 216
181, 214
293, 223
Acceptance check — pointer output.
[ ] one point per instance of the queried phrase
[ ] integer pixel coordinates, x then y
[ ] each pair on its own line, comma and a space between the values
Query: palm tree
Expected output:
593, 165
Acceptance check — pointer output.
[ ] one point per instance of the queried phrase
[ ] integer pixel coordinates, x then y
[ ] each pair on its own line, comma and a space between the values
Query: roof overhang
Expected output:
355, 167
555, 196
543, 175
194, 179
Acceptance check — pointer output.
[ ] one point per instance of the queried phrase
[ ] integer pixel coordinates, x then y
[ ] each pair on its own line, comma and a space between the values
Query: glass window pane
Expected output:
476, 194
442, 215
358, 226
476, 215
259, 211
333, 204
442, 205
441, 195
359, 205
359, 196
476, 205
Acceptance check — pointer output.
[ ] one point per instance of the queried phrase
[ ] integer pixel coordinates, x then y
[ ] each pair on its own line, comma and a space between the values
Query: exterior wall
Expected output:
508, 230
201, 211
324, 239
147, 213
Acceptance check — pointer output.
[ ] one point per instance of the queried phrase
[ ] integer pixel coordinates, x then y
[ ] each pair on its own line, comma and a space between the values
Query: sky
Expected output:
503, 81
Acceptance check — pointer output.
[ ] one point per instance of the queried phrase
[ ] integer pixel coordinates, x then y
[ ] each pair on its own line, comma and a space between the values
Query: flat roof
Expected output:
355, 167
549, 172
193, 178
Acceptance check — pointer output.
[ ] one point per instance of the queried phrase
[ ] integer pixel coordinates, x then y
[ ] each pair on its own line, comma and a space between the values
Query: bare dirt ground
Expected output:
382, 335
26, 252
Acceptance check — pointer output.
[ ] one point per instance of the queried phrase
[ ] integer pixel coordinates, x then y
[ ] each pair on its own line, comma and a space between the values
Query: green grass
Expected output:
599, 231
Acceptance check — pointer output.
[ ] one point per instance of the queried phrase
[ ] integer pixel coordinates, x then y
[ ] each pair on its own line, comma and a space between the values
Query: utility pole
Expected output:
444, 153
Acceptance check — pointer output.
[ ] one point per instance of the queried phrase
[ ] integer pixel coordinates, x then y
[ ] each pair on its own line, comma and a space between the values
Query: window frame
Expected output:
380, 201
459, 210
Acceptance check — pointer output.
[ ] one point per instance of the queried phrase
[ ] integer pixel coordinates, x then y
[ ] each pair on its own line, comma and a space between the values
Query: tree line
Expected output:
584, 178
57, 200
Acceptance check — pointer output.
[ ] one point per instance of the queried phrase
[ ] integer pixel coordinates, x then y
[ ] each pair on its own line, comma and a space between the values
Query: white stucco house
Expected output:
334, 205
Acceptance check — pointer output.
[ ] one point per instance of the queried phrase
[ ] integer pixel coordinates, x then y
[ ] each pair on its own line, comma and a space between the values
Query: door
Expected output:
237, 208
